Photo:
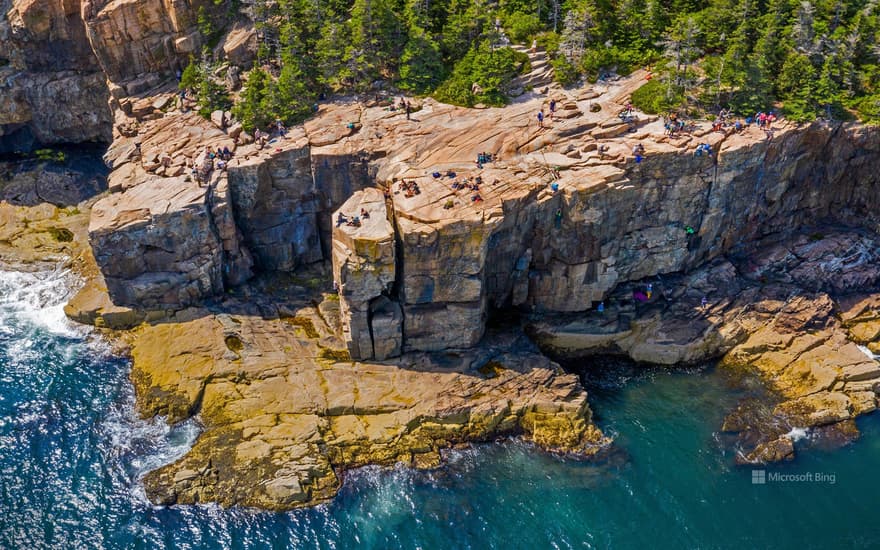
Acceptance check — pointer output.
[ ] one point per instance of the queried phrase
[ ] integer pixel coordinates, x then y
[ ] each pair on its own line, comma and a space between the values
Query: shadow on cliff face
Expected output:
269, 295
63, 176
783, 318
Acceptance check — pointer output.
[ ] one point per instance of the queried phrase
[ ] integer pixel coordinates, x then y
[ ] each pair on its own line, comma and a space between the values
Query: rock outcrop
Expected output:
549, 224
794, 313
136, 42
52, 89
143, 258
283, 418
364, 270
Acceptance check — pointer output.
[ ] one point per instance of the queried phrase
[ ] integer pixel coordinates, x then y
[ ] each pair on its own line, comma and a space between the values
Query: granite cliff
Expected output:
761, 252
553, 227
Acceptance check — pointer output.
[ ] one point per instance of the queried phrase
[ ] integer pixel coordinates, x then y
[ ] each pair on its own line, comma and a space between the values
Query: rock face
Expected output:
136, 42
276, 205
58, 57
274, 216
144, 252
550, 225
364, 269
139, 247
63, 183
282, 419
52, 89
793, 313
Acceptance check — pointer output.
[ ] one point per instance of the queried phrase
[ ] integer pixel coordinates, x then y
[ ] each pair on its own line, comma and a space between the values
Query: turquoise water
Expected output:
72, 450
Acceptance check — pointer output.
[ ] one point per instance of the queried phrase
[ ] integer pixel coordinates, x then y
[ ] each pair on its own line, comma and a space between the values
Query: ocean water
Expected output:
72, 451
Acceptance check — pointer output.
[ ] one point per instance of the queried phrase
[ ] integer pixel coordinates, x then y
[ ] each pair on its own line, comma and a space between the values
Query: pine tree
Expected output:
577, 33
330, 55
253, 108
681, 50
292, 95
421, 65
377, 40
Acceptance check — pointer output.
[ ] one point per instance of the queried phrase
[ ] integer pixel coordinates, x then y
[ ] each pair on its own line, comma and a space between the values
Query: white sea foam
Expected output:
797, 434
32, 303
38, 298
140, 446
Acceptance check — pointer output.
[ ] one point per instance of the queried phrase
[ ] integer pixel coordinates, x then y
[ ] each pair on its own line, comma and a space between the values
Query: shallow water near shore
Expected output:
72, 450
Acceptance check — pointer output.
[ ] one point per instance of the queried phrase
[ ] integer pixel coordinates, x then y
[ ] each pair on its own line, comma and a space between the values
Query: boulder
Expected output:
218, 119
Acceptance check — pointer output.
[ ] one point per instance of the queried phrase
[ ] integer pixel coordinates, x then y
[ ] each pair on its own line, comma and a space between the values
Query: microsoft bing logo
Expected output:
759, 477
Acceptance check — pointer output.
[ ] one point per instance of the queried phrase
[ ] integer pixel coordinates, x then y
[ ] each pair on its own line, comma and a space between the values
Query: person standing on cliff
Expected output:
639, 152
408, 108
541, 118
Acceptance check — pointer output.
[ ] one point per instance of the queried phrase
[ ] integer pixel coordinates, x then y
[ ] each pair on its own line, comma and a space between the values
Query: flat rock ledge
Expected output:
285, 412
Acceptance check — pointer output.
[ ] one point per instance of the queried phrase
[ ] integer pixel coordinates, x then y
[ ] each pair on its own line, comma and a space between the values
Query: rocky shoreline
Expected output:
266, 365
283, 416
285, 412
306, 347
796, 314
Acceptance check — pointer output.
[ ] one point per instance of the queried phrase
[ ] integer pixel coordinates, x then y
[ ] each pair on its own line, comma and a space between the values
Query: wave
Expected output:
137, 446
38, 298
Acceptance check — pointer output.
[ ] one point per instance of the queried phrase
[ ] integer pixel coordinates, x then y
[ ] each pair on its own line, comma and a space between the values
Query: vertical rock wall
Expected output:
136, 41
443, 294
424, 278
164, 254
364, 269
276, 206
52, 89
636, 226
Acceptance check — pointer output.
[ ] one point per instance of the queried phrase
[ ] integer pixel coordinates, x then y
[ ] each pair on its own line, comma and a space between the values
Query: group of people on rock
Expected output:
484, 158
672, 124
354, 221
342, 219
765, 120
550, 115
470, 183
211, 158
409, 188
404, 105
261, 138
